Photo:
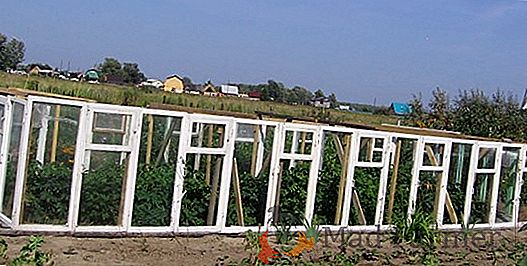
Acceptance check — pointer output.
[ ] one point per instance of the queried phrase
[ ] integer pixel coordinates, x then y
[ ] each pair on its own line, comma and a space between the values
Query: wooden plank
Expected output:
338, 145
237, 193
276, 210
164, 144
343, 174
55, 138
369, 146
214, 192
24, 93
192, 110
450, 209
149, 138
303, 143
208, 160
393, 184
357, 206
256, 143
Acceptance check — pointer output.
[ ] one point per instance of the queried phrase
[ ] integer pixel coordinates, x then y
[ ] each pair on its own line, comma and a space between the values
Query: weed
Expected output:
30, 254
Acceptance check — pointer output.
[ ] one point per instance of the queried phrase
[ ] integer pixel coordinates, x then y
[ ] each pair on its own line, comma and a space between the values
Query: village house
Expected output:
210, 90
174, 84
254, 95
229, 90
323, 102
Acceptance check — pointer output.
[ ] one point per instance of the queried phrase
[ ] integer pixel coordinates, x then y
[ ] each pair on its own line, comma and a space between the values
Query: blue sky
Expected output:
361, 50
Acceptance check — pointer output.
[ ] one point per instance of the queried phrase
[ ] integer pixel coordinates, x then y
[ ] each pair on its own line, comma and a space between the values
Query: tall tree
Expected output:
440, 115
111, 66
333, 100
319, 93
11, 52
128, 72
132, 74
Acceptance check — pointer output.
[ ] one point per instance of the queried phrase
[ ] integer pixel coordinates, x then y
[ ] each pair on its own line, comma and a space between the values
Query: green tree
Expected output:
132, 73
128, 72
11, 52
333, 100
319, 93
111, 66
187, 82
440, 114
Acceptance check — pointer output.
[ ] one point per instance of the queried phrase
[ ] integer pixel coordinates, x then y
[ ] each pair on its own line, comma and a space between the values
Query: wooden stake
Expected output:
209, 157
164, 144
343, 174
276, 213
393, 183
357, 205
303, 143
214, 192
450, 209
338, 145
55, 139
237, 193
149, 138
256, 144
370, 144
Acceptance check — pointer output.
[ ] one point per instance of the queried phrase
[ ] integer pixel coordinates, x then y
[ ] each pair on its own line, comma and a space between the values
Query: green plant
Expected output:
420, 230
31, 253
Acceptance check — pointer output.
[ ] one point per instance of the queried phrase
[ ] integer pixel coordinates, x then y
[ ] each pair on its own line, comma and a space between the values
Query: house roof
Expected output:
92, 73
175, 76
401, 108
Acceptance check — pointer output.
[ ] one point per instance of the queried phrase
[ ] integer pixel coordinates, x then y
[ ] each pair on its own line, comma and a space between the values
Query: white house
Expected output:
229, 90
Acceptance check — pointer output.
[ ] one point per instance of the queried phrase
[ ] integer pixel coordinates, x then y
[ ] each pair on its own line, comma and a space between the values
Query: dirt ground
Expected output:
478, 248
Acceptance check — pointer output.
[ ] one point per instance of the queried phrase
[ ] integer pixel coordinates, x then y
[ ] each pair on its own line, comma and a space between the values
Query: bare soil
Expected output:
478, 248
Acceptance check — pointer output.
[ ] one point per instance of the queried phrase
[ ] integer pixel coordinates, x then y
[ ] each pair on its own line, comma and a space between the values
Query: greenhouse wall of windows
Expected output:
75, 166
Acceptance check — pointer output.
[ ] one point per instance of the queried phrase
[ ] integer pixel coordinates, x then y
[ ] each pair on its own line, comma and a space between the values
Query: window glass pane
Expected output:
51, 156
487, 157
332, 178
208, 135
111, 129
201, 190
433, 154
102, 189
457, 183
12, 158
509, 170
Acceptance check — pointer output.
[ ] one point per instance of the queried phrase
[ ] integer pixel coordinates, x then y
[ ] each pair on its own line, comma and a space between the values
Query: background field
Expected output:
123, 95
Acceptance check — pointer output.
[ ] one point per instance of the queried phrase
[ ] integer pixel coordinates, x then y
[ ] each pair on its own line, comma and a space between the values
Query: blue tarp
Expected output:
401, 108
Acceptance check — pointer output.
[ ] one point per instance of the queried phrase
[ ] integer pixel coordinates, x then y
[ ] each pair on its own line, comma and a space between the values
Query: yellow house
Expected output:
175, 84
209, 90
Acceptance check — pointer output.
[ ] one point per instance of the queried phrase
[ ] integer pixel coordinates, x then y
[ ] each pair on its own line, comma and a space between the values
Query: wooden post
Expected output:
149, 138
343, 174
393, 183
256, 144
164, 144
209, 157
55, 138
370, 144
338, 146
450, 209
237, 193
303, 144
214, 192
276, 210
357, 205
197, 159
